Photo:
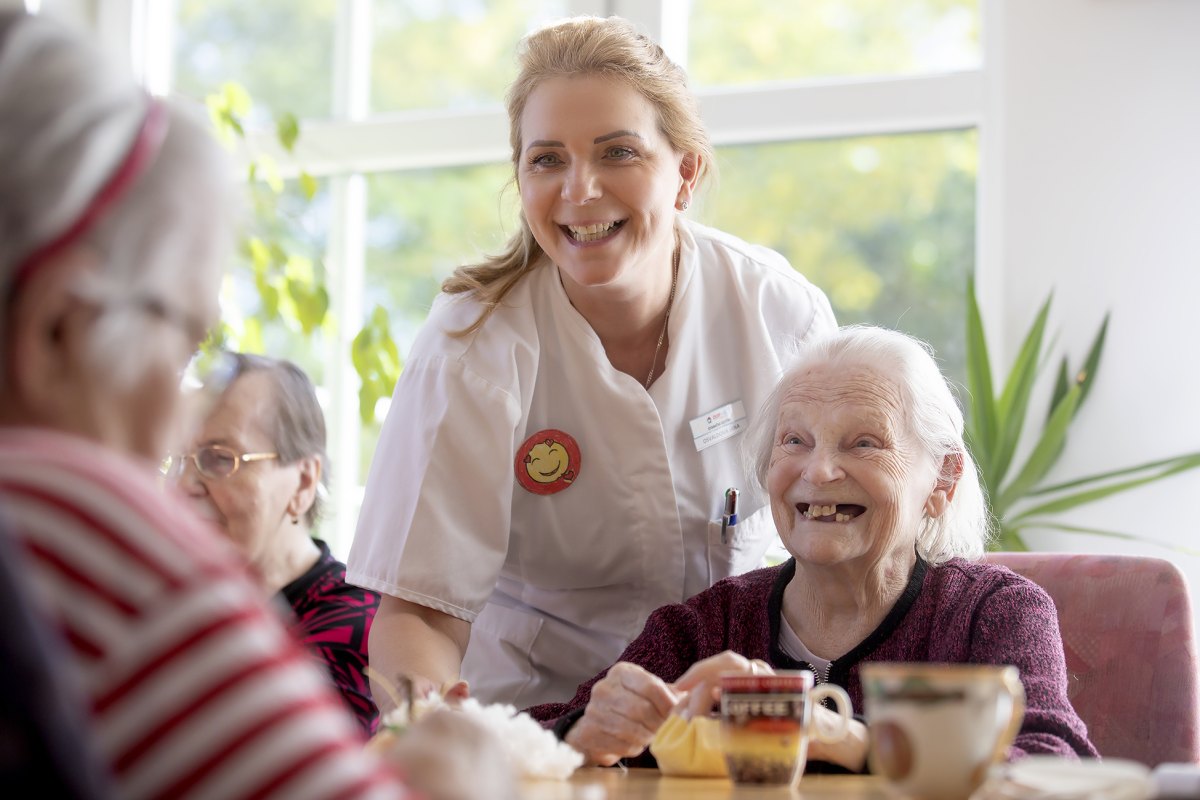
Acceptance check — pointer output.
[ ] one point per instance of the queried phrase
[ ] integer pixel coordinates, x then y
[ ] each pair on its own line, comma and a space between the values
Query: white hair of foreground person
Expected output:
932, 414
70, 119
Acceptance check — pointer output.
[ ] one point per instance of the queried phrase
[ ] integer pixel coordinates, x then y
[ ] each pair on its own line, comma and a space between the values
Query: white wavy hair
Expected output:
70, 116
932, 414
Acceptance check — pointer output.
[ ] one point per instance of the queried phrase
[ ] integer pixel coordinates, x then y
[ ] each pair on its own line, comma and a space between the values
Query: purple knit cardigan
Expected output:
959, 612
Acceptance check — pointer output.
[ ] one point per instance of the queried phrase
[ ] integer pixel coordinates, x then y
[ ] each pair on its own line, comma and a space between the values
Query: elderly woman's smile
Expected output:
830, 512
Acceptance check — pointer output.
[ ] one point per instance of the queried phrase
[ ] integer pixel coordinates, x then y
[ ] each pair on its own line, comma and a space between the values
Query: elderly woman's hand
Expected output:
850, 751
627, 708
701, 680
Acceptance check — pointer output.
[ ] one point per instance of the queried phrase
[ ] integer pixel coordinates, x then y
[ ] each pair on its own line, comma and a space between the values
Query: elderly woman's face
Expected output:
847, 480
598, 180
251, 505
143, 416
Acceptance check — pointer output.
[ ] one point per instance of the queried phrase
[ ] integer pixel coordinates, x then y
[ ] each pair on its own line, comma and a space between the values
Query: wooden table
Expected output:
649, 784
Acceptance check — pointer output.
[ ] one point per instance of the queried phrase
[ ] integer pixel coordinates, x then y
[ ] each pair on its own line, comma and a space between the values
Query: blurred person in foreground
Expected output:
113, 228
875, 495
257, 470
557, 455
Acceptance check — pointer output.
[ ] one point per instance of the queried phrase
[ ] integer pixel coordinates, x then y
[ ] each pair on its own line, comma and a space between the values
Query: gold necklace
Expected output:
670, 301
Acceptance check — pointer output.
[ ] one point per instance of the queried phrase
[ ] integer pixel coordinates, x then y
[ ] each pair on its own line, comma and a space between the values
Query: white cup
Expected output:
936, 729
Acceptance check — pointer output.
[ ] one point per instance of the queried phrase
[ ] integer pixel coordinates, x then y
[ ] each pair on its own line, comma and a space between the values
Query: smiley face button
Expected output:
547, 462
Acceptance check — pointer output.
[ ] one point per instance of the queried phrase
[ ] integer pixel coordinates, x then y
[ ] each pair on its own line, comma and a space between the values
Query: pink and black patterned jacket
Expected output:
334, 619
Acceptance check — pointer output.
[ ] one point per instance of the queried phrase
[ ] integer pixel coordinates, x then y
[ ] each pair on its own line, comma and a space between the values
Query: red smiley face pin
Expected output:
547, 462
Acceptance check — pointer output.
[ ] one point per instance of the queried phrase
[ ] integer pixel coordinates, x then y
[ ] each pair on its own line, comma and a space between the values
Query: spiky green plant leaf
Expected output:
1044, 454
1014, 400
981, 402
1160, 470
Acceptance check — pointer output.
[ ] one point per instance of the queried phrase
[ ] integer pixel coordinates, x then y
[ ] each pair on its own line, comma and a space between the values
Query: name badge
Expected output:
718, 425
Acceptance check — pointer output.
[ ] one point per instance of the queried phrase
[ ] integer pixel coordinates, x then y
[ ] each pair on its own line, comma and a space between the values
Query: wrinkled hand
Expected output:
850, 751
701, 683
447, 755
627, 707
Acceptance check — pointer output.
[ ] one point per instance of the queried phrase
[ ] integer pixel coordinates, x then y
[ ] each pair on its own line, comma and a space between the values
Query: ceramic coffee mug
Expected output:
936, 728
766, 722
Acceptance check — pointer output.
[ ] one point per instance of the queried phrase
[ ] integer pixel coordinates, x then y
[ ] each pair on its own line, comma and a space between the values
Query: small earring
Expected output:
683, 205
295, 520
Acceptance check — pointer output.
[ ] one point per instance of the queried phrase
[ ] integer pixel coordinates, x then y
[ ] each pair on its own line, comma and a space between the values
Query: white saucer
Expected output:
1050, 777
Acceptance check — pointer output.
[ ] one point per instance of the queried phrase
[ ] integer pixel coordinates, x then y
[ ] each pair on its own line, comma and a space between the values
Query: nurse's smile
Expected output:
593, 233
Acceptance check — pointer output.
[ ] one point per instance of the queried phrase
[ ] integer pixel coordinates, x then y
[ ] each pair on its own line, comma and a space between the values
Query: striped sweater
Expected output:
196, 689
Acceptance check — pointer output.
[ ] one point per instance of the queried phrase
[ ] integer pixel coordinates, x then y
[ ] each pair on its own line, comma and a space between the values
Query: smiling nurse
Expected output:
554, 464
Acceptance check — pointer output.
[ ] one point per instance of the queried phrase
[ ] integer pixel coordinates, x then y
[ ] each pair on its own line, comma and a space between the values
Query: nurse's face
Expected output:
599, 181
848, 481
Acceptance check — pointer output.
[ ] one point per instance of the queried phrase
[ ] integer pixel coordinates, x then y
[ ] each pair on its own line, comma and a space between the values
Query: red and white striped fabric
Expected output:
197, 690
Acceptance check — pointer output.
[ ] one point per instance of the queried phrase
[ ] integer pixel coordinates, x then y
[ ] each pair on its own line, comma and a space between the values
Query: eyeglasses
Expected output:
212, 461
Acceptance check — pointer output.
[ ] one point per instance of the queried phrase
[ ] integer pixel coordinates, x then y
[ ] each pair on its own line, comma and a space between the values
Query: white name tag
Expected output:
718, 425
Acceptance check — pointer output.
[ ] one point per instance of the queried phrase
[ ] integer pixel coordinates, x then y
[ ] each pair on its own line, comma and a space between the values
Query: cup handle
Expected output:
830, 690
1015, 690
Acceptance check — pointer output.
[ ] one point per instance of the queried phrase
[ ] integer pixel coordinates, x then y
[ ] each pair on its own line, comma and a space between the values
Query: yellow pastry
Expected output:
689, 748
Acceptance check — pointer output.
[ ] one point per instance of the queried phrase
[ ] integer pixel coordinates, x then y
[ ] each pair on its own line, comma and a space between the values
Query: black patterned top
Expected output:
334, 619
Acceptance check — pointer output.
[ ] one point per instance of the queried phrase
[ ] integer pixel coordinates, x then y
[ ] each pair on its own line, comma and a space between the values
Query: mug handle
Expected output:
1016, 690
838, 694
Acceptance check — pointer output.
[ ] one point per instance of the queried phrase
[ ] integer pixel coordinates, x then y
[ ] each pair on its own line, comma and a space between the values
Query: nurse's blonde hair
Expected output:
580, 46
933, 416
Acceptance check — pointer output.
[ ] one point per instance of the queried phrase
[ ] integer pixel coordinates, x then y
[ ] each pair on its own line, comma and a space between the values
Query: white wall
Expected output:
1101, 202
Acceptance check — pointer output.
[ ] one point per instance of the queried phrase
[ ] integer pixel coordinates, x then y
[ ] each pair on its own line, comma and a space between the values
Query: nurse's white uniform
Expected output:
557, 584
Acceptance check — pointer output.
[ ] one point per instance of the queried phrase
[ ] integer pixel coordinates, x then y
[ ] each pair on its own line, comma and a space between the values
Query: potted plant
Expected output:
1017, 497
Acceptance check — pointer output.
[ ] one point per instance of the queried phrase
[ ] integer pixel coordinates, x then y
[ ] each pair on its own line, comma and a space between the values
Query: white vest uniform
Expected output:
556, 584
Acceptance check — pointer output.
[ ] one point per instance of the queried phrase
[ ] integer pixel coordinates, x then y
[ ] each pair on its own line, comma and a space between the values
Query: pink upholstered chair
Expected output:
1131, 653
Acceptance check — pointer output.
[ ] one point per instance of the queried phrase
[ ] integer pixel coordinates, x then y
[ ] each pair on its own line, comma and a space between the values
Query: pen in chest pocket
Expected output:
729, 518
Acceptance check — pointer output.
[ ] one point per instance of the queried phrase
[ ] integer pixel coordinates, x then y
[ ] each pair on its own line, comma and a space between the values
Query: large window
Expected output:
752, 42
847, 135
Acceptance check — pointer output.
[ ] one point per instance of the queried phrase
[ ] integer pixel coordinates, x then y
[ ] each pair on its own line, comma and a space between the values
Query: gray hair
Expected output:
933, 416
297, 423
70, 117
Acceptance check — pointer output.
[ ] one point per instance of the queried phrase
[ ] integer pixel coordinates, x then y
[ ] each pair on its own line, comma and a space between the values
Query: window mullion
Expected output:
664, 21
344, 269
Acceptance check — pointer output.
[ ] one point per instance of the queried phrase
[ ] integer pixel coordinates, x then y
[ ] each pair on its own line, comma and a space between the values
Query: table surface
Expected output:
649, 784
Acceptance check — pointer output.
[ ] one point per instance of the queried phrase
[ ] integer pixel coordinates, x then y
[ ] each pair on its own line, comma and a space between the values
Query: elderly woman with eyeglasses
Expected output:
255, 471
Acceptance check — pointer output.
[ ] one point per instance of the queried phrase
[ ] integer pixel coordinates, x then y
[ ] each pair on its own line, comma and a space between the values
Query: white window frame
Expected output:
352, 145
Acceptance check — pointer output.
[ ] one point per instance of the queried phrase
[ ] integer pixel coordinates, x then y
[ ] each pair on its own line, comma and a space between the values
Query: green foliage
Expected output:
738, 43
288, 284
884, 225
377, 362
280, 50
995, 426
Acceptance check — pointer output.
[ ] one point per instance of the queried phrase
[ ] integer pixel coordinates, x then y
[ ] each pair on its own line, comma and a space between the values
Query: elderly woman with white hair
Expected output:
113, 229
875, 496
